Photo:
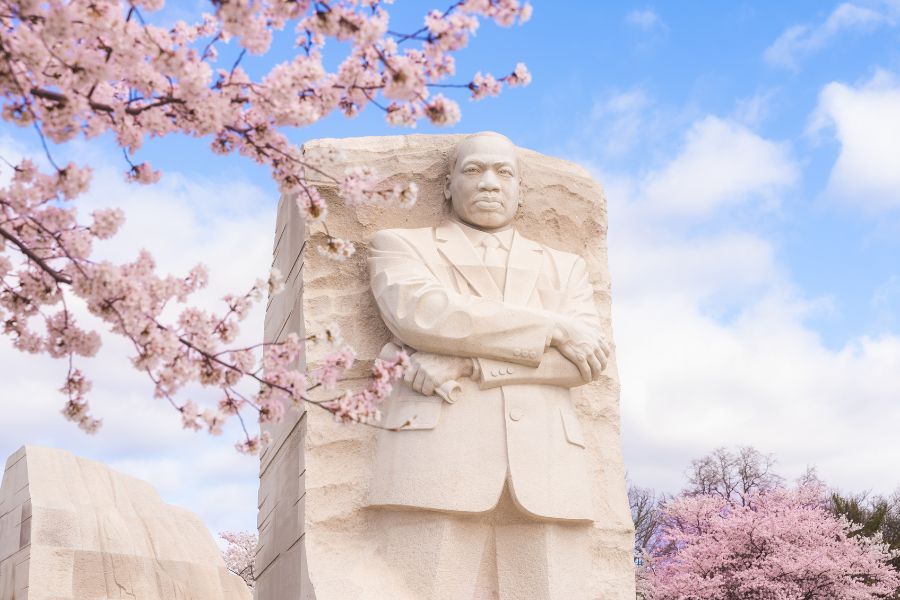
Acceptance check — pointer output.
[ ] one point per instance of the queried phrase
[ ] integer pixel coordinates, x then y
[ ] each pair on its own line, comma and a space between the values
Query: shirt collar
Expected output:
476, 235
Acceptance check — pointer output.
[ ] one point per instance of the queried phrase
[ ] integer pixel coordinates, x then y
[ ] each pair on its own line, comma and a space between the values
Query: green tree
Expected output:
871, 515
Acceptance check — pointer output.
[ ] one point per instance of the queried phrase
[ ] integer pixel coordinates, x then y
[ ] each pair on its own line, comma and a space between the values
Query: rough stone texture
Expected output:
74, 529
314, 475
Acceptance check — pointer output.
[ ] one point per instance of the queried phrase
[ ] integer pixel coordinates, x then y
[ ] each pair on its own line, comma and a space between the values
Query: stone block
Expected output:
74, 529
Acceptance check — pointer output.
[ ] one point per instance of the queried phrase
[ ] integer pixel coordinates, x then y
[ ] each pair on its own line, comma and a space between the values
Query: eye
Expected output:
471, 170
506, 172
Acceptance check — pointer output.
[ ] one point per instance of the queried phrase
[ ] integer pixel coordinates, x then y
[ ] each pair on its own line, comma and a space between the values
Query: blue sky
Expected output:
750, 154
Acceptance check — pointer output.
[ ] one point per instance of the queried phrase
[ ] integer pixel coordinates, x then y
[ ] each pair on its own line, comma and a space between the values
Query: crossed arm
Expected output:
488, 340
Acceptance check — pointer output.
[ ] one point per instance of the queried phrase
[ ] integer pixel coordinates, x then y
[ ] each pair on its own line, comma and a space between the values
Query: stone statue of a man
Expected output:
482, 490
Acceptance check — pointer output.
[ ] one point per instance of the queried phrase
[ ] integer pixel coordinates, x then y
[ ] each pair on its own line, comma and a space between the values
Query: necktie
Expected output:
494, 259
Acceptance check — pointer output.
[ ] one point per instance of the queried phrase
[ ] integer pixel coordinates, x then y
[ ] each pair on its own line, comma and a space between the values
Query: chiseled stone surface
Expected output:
317, 535
74, 529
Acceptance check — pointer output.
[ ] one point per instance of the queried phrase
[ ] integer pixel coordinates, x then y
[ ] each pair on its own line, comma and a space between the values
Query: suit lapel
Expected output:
522, 270
456, 247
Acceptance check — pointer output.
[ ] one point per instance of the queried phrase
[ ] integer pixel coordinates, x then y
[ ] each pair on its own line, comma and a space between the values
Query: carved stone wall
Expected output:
72, 528
314, 475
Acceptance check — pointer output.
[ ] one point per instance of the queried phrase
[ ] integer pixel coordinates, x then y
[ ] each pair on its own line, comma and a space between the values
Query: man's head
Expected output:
483, 183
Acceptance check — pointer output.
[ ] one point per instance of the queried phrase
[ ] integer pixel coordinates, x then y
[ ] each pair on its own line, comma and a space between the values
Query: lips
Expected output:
489, 203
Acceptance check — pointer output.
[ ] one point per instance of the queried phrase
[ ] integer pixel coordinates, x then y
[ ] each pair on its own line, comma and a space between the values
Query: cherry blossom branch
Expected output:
24, 249
82, 68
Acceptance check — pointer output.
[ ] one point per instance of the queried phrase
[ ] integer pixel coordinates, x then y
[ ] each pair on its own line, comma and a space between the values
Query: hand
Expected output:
429, 371
583, 346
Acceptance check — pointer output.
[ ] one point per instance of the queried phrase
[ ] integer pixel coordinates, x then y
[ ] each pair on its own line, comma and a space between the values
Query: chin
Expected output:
490, 220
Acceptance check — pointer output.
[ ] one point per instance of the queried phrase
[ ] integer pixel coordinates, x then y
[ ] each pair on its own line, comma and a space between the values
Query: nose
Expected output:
488, 182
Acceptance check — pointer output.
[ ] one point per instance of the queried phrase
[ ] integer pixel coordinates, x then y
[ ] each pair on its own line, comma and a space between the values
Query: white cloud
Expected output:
691, 383
645, 19
624, 120
183, 220
714, 340
721, 163
866, 121
753, 110
801, 40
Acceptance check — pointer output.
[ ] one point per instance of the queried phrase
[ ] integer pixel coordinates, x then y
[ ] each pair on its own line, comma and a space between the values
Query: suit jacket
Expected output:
517, 423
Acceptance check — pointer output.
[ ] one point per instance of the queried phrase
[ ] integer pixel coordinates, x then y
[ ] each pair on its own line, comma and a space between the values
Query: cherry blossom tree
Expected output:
777, 544
74, 69
239, 554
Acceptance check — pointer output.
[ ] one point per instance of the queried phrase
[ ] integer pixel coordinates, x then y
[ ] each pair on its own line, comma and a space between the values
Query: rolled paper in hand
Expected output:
449, 391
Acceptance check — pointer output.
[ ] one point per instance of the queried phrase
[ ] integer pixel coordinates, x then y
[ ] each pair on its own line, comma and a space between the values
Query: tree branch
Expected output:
56, 275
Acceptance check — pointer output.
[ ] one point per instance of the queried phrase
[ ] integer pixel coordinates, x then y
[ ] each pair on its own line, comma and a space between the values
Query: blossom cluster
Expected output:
93, 67
362, 405
88, 67
360, 187
240, 553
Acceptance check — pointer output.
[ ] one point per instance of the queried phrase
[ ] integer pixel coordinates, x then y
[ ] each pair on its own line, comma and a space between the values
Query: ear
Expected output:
447, 187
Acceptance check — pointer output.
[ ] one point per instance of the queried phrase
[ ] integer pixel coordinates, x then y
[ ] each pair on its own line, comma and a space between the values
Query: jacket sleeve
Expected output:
554, 368
580, 303
427, 315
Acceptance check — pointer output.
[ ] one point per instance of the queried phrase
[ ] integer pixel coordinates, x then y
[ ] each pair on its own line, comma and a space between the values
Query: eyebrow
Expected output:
481, 163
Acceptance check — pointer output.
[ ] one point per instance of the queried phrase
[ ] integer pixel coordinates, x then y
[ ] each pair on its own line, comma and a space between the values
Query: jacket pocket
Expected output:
572, 427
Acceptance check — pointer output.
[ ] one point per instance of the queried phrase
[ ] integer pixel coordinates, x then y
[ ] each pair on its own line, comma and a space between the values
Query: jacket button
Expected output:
516, 414
509, 370
494, 372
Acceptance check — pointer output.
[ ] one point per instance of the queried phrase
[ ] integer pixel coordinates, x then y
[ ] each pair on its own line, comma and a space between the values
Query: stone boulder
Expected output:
75, 529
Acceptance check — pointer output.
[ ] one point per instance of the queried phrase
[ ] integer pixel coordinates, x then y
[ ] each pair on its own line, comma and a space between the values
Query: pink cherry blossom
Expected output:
143, 173
484, 86
88, 68
356, 185
107, 222
362, 405
442, 111
333, 366
311, 205
337, 249
520, 76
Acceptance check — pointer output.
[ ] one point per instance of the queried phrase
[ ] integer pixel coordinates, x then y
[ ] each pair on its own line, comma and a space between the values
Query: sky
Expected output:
750, 155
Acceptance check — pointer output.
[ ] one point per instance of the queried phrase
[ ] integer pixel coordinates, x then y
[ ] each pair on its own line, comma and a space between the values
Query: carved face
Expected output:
484, 184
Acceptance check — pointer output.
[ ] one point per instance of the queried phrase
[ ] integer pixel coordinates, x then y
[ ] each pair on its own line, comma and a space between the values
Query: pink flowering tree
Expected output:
84, 68
239, 554
779, 544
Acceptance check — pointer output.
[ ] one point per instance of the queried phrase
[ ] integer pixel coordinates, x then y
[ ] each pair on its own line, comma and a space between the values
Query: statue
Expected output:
479, 486
504, 476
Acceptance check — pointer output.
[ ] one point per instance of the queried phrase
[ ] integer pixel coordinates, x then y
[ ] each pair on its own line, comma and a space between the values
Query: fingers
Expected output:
595, 364
410, 374
577, 358
602, 358
604, 346
419, 381
428, 386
